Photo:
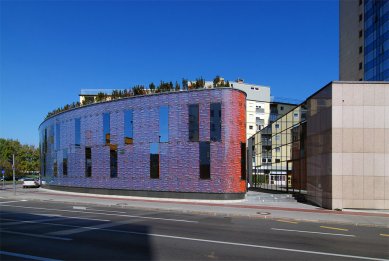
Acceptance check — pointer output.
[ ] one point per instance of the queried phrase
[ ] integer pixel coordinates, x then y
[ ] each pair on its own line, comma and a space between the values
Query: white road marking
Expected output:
64, 217
107, 214
108, 211
222, 242
45, 214
5, 202
93, 219
6, 253
34, 235
79, 207
312, 232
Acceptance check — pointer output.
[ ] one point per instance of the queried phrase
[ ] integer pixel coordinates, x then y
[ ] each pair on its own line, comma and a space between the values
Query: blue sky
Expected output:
52, 49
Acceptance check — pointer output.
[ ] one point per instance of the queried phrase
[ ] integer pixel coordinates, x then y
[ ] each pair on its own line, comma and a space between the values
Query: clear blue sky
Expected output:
52, 49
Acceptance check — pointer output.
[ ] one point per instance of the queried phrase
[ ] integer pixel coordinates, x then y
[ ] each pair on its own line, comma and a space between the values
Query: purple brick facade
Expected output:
179, 157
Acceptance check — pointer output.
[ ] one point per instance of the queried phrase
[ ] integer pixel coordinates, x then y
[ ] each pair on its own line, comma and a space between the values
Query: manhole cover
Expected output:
263, 213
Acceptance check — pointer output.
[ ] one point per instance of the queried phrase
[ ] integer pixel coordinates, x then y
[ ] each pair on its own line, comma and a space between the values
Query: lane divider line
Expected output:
384, 235
107, 214
6, 253
233, 243
34, 235
313, 232
287, 221
334, 228
5, 202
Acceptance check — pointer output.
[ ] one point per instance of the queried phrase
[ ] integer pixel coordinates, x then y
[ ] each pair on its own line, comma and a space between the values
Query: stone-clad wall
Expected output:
348, 146
360, 145
179, 158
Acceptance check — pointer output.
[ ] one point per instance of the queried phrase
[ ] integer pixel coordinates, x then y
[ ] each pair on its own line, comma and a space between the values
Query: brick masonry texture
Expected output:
179, 158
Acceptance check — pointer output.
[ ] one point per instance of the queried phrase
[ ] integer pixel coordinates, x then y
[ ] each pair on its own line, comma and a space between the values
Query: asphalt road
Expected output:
32, 230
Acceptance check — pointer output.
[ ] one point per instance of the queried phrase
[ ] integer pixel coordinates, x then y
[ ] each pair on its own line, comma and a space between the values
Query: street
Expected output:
63, 231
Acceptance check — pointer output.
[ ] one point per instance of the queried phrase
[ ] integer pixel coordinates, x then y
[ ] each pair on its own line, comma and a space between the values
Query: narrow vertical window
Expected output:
114, 163
215, 121
106, 128
65, 162
154, 160
243, 160
57, 136
88, 162
77, 132
55, 168
128, 127
44, 153
193, 122
205, 160
163, 124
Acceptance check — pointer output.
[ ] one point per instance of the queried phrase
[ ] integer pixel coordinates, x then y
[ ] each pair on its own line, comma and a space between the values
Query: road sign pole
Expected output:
13, 172
3, 172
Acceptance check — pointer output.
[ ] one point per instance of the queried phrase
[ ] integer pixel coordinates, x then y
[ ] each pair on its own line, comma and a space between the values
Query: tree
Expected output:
152, 87
177, 87
216, 81
185, 84
26, 157
101, 97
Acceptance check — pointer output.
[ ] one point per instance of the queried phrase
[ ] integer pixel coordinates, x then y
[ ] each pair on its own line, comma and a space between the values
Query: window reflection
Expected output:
194, 122
88, 162
154, 160
65, 162
128, 127
113, 163
106, 128
57, 136
243, 160
164, 124
205, 160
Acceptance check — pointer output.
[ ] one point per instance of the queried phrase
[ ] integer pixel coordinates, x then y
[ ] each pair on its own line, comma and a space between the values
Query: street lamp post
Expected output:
13, 172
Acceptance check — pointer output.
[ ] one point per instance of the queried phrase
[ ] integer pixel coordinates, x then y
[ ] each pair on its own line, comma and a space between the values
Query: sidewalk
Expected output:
256, 205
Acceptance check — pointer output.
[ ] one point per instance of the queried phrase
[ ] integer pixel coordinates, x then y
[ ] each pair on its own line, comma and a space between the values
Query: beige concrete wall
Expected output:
360, 145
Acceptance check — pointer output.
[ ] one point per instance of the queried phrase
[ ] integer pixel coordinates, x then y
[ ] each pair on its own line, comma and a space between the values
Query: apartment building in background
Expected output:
363, 40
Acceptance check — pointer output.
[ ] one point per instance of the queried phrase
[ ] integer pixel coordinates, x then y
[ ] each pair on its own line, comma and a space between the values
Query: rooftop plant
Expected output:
199, 83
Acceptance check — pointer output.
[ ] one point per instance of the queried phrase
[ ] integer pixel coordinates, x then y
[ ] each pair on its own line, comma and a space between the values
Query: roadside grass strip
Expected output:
334, 228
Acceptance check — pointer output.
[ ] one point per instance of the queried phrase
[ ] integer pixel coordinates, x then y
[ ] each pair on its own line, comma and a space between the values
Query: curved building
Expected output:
188, 144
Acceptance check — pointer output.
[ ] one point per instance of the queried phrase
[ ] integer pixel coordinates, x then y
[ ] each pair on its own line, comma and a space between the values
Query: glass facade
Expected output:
278, 151
376, 31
